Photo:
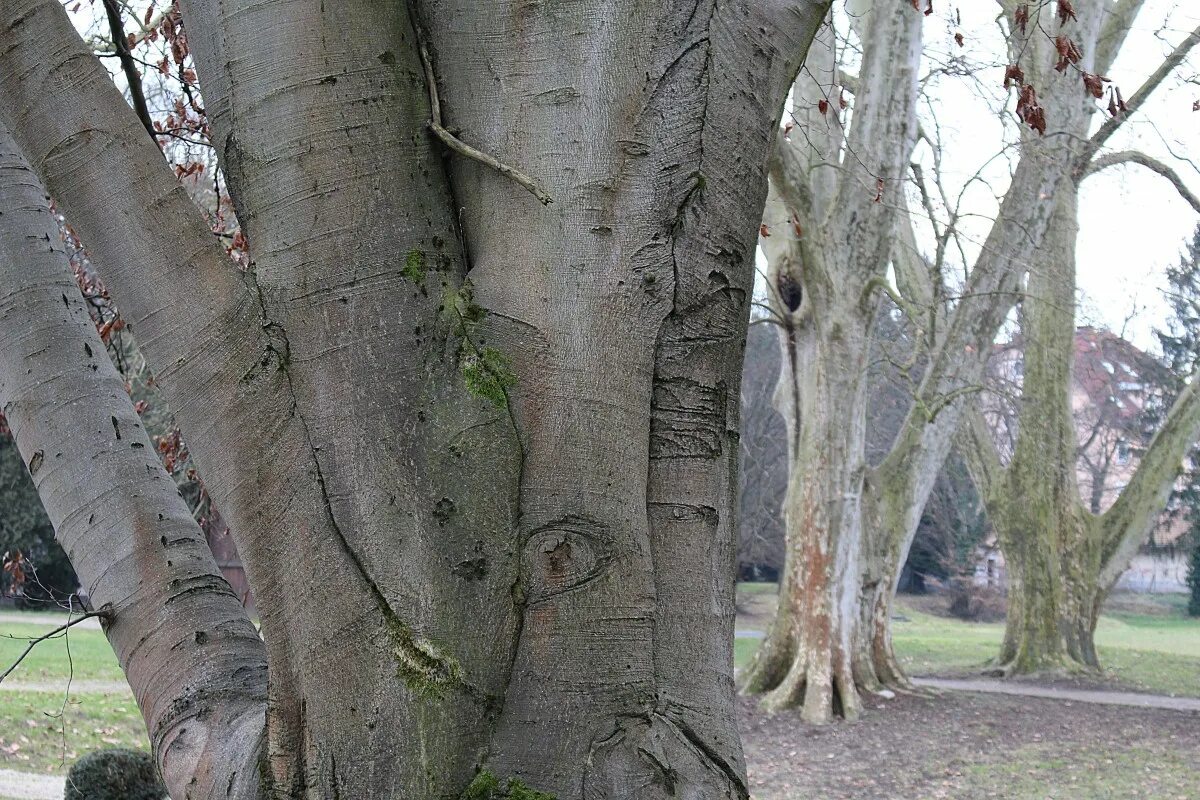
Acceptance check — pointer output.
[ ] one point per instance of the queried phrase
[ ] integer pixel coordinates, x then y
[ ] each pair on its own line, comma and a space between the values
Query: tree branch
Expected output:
1136, 101
52, 634
979, 451
1114, 31
1125, 525
1136, 157
188, 649
132, 76
461, 147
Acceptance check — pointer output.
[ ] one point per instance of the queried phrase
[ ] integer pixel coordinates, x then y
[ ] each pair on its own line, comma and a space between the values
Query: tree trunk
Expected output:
885, 549
822, 262
500, 436
1062, 559
806, 658
138, 553
898, 488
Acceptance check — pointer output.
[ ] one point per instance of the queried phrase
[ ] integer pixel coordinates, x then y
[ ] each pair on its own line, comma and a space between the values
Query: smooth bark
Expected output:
829, 239
140, 556
477, 453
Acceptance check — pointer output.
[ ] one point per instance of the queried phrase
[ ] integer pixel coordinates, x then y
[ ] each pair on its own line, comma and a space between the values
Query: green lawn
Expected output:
1155, 652
38, 733
90, 656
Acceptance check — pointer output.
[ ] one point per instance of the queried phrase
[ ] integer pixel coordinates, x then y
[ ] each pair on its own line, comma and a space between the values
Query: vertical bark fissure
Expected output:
576, 557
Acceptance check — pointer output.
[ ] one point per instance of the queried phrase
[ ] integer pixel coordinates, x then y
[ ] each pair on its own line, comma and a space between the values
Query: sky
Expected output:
1133, 224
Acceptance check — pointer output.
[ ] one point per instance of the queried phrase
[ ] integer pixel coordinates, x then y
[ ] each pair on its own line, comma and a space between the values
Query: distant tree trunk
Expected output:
806, 658
477, 452
1044, 530
827, 244
1062, 559
897, 489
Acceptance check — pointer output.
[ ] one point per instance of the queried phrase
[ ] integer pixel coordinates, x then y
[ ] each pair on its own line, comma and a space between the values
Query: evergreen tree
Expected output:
25, 529
1180, 344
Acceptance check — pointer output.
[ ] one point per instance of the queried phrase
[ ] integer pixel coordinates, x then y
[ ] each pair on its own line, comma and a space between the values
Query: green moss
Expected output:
488, 375
460, 309
487, 372
424, 669
414, 267
486, 786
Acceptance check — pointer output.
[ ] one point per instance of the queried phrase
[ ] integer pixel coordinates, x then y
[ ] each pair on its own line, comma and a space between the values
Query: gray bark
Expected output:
142, 559
531, 577
829, 242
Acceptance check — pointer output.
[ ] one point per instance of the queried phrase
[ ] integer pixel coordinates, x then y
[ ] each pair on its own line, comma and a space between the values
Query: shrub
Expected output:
114, 775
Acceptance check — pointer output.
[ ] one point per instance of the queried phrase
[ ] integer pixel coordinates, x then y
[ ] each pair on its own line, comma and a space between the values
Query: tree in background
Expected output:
762, 474
36, 567
1061, 559
837, 243
1180, 343
469, 406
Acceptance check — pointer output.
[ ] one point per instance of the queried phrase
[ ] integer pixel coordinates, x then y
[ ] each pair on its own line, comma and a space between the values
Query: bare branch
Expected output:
1126, 524
1135, 102
979, 450
132, 76
1114, 31
186, 645
1137, 157
51, 635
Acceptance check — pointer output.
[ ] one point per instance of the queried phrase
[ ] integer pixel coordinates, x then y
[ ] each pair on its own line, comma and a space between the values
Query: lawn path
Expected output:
30, 786
50, 620
60, 685
1055, 693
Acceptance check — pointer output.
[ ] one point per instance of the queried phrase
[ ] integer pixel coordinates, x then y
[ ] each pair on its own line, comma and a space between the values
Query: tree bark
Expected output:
829, 240
501, 437
1041, 523
136, 549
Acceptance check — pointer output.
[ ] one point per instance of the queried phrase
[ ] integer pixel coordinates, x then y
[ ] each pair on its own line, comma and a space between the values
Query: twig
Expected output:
461, 147
132, 76
56, 632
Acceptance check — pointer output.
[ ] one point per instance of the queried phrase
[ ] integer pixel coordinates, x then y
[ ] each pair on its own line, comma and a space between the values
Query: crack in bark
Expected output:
709, 752
414, 656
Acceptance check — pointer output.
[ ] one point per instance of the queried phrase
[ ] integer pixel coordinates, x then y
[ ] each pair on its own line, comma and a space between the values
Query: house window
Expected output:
1123, 452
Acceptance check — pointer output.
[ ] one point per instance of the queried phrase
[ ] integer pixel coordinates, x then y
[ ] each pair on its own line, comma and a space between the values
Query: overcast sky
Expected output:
1132, 222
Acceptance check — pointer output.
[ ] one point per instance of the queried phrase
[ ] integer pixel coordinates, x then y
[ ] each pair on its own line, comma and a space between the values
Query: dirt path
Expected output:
30, 786
1134, 699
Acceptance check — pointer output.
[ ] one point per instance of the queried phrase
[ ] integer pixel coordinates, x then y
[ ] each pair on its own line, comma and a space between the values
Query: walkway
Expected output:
30, 786
1055, 693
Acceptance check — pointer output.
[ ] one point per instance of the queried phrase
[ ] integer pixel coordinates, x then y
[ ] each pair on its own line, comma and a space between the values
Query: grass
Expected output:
1047, 772
38, 733
90, 655
1156, 650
